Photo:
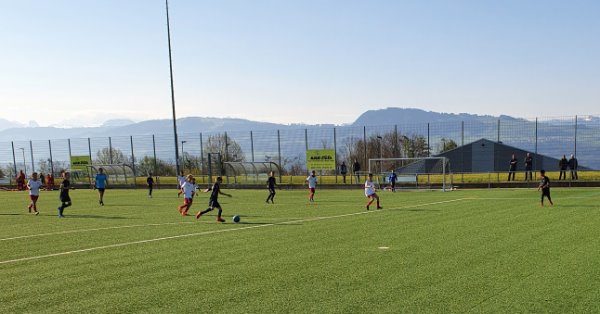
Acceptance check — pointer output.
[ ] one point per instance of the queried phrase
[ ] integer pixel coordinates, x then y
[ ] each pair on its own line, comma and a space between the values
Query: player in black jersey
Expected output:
271, 186
214, 200
545, 187
65, 199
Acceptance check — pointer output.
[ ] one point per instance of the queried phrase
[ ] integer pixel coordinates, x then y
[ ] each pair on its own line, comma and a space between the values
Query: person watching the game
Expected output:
150, 183
528, 167
512, 167
392, 179
562, 165
573, 167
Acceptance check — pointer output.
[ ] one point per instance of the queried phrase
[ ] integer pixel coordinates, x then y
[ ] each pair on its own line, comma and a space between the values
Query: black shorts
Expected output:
101, 189
64, 198
214, 204
545, 193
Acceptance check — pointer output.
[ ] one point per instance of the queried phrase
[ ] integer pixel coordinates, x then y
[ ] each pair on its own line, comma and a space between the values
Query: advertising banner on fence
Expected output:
320, 159
80, 163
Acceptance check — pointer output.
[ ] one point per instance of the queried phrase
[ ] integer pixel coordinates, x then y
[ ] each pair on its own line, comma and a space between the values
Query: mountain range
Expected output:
12, 131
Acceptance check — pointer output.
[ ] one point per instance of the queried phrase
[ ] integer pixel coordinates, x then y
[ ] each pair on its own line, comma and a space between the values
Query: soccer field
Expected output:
425, 252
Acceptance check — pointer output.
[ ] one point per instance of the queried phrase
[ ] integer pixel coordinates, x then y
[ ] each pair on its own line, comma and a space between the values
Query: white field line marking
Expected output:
95, 229
216, 231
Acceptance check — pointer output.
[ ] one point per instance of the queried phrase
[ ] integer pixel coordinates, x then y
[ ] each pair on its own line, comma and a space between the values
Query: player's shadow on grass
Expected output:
266, 223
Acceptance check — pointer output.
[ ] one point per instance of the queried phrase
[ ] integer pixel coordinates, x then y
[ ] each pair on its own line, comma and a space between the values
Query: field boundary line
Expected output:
94, 229
116, 245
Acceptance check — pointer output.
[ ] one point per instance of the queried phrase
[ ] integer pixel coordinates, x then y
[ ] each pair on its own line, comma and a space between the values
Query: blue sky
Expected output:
80, 62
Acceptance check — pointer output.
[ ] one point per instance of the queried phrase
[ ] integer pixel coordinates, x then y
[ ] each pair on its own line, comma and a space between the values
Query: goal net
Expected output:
412, 173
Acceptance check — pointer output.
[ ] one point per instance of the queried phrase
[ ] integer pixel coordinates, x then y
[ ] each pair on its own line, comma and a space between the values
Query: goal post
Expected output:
412, 173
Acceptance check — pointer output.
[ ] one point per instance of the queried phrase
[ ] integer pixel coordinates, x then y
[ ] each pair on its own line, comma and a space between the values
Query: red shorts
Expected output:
33, 198
312, 190
187, 201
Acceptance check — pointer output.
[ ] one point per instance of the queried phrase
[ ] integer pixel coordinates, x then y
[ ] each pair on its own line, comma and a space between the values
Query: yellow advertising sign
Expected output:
320, 159
80, 163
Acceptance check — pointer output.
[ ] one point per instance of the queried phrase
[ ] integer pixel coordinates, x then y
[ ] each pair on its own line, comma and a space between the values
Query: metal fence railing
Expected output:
554, 137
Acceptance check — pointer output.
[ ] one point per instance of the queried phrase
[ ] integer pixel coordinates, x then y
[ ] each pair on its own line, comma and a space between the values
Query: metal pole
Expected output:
575, 141
365, 144
14, 158
172, 91
201, 153
132, 160
536, 144
110, 152
182, 156
69, 144
154, 153
90, 149
252, 145
279, 152
24, 163
428, 141
335, 151
31, 152
51, 159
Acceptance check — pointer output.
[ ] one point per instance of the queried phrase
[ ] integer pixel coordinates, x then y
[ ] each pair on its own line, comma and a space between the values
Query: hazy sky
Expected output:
314, 61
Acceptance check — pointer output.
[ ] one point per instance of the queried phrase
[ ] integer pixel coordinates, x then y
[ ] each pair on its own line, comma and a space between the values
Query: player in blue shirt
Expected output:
392, 179
100, 183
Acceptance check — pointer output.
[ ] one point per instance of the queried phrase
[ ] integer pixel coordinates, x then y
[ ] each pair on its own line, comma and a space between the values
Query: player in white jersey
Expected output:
180, 181
312, 185
188, 188
370, 192
34, 186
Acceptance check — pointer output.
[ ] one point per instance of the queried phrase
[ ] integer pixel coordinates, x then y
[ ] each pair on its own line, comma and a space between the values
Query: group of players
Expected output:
187, 186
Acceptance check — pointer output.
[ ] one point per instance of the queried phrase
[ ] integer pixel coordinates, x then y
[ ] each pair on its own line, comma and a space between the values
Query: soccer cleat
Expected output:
379, 207
37, 213
219, 219
198, 215
367, 207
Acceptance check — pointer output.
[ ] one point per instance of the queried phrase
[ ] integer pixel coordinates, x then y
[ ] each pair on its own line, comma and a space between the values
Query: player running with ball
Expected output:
370, 192
214, 200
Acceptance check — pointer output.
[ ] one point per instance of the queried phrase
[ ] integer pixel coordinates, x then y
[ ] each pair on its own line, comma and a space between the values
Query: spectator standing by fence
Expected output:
343, 170
562, 165
355, 170
573, 167
512, 167
21, 181
528, 167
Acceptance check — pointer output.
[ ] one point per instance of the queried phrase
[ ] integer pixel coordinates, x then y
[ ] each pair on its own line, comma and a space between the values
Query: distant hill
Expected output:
403, 116
5, 124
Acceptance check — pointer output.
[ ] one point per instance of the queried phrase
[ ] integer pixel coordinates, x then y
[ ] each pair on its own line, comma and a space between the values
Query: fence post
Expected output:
428, 143
133, 161
51, 159
498, 131
110, 150
14, 158
201, 154
279, 151
31, 152
69, 144
575, 148
462, 152
252, 145
335, 152
536, 144
365, 144
90, 150
226, 149
154, 152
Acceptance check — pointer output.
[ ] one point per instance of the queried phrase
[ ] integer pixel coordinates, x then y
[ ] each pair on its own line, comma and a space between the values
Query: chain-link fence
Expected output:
287, 147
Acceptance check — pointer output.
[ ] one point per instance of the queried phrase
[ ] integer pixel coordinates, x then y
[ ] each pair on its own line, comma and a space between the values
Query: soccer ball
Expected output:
236, 218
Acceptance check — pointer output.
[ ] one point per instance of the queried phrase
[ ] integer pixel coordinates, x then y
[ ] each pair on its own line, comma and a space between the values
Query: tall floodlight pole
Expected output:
172, 92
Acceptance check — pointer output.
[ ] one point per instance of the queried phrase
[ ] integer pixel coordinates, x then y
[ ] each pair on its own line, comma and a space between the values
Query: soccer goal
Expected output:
412, 173
118, 174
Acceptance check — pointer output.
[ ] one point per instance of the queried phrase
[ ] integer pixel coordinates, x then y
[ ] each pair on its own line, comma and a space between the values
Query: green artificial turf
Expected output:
477, 251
